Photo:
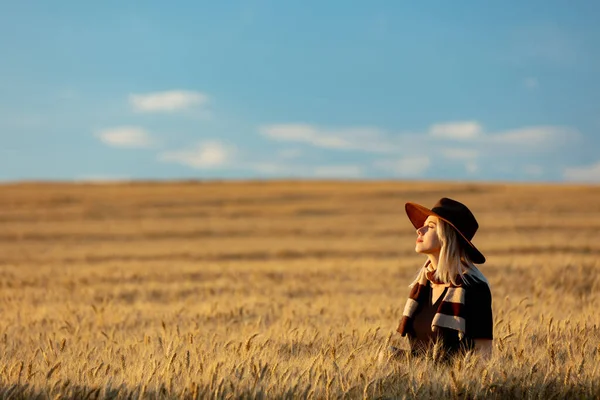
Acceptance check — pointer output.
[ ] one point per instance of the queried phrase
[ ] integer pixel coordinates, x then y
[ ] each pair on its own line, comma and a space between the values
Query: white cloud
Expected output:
405, 167
210, 154
589, 173
299, 170
288, 154
354, 138
68, 94
338, 171
531, 82
126, 136
411, 154
460, 154
545, 43
461, 130
273, 168
168, 101
536, 138
471, 167
533, 170
539, 137
374, 140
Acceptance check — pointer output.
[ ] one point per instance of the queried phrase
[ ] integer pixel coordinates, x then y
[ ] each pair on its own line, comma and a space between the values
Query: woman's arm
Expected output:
480, 321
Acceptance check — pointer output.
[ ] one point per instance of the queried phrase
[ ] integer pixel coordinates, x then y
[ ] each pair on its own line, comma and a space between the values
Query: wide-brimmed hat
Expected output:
454, 213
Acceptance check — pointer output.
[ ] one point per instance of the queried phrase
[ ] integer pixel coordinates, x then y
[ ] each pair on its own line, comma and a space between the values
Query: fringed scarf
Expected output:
450, 313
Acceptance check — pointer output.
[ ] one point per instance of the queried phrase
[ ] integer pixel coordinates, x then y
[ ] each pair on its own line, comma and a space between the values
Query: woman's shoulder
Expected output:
477, 288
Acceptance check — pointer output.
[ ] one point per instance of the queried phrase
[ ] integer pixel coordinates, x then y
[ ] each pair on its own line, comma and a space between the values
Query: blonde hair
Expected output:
454, 260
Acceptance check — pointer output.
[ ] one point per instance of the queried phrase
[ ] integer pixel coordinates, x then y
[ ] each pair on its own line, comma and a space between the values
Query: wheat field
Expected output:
283, 290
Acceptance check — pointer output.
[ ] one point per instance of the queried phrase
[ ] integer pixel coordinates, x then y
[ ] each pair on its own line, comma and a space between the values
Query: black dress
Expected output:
479, 323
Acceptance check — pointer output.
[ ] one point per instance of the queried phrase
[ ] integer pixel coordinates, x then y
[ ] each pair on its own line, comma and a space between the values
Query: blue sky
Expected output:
263, 89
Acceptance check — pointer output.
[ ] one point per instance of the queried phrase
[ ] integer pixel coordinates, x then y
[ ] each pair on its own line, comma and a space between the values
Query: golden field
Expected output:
283, 290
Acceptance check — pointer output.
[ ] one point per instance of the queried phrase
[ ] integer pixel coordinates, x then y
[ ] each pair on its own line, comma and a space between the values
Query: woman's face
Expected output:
428, 241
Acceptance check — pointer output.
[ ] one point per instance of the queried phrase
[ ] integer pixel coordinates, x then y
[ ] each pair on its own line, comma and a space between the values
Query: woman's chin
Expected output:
421, 250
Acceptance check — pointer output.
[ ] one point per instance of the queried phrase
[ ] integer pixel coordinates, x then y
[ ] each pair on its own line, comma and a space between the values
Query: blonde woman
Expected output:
449, 308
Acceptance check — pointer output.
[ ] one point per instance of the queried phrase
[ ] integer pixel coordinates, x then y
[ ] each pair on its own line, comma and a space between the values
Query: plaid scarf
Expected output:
450, 313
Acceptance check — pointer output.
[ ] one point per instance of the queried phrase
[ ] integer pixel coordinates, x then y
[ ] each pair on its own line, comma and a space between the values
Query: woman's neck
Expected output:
433, 260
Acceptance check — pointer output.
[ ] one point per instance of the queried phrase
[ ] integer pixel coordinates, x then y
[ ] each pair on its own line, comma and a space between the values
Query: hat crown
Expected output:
458, 214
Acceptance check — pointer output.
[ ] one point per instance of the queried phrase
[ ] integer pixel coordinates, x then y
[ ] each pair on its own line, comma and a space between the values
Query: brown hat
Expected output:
454, 213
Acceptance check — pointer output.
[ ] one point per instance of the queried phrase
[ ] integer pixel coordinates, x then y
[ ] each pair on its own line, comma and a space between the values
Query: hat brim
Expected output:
417, 214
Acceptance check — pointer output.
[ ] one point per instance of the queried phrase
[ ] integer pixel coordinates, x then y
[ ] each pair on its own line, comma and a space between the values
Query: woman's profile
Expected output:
449, 307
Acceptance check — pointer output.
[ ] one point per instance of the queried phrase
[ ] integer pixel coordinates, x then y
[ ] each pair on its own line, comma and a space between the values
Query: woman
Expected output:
450, 304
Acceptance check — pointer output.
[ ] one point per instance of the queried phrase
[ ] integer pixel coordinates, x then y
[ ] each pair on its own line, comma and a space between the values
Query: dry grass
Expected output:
264, 290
